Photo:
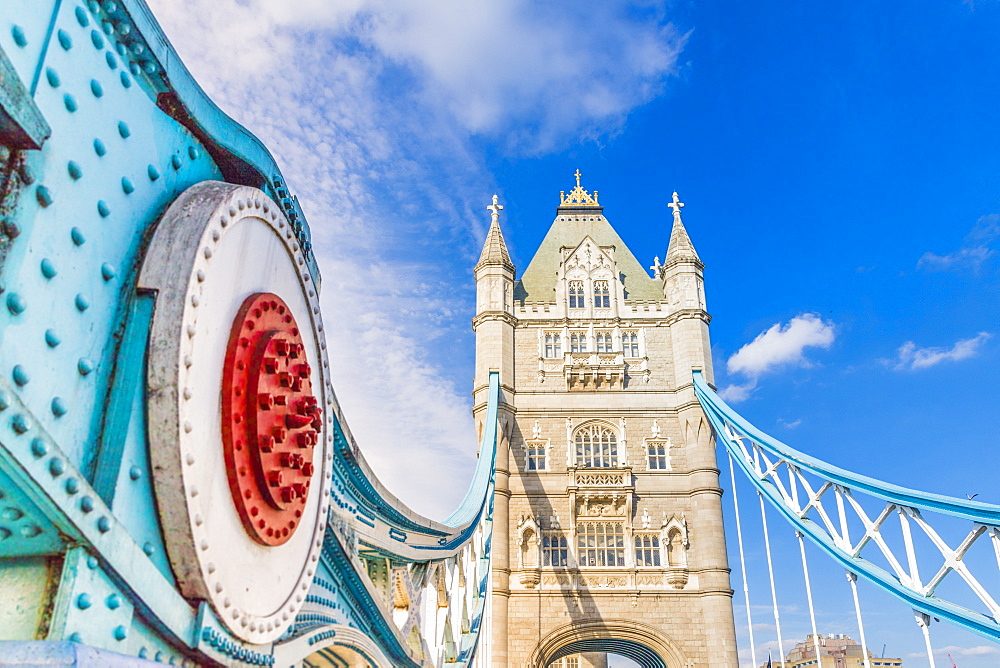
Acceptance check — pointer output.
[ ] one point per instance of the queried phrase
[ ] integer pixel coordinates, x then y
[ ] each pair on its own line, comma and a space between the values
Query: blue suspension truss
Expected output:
797, 486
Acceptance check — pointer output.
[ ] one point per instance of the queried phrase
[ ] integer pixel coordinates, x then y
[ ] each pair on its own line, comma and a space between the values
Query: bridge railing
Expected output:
850, 517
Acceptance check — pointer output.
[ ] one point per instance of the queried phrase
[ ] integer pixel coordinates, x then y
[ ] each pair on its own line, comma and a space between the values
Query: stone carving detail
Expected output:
603, 505
601, 479
604, 581
649, 580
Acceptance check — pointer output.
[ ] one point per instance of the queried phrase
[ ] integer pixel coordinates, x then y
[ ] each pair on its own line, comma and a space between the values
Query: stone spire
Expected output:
495, 250
680, 247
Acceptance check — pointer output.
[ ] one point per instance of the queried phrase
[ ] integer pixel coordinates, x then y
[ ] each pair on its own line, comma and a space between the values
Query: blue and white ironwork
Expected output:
129, 206
822, 501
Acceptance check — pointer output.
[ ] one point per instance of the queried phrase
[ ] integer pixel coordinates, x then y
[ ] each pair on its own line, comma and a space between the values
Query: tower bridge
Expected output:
178, 483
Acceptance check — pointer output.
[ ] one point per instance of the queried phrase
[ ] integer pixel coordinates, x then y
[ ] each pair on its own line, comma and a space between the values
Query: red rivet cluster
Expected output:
270, 419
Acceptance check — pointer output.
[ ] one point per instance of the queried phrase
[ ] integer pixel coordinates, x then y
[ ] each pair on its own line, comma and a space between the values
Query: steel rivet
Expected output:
75, 637
175, 162
187, 361
99, 148
96, 88
84, 366
4, 401
153, 173
11, 229
92, 563
135, 473
187, 392
123, 129
20, 375
134, 69
103, 524
149, 67
77, 236
195, 301
126, 81
52, 77
111, 60
191, 331
108, 272
194, 492
39, 448
107, 27
193, 152
16, 303
58, 407
20, 423
86, 504
113, 602
82, 303
44, 195
51, 338
127, 186
207, 252
199, 275
187, 427
216, 235
48, 269
147, 548
65, 41
198, 520
19, 38
190, 459
70, 103
83, 601
103, 209
81, 17
57, 467
203, 545
121, 633
72, 486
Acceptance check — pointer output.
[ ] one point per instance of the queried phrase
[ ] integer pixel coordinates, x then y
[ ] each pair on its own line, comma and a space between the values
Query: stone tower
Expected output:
608, 534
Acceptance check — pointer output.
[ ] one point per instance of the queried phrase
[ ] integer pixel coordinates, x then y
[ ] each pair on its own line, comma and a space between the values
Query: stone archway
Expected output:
635, 640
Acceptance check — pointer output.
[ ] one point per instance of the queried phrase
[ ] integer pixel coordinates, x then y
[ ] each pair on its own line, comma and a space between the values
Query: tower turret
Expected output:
683, 279
494, 321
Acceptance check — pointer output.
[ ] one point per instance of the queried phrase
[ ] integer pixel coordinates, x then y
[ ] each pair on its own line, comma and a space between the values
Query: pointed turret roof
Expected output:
578, 216
680, 247
495, 250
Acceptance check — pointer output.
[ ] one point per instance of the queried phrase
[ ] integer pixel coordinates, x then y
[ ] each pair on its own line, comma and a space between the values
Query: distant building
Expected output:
835, 651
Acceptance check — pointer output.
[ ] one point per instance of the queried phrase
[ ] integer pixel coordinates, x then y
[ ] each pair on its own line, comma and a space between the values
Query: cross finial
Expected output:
577, 175
676, 205
495, 210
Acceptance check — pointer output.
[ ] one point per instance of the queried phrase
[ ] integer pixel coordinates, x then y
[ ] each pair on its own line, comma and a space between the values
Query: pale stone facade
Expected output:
608, 532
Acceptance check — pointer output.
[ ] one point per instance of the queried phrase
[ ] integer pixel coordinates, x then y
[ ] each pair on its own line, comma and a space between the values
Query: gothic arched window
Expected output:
602, 297
630, 344
604, 342
596, 447
553, 344
576, 294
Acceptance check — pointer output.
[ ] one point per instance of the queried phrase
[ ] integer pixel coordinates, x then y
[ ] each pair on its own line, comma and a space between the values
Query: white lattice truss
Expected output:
825, 502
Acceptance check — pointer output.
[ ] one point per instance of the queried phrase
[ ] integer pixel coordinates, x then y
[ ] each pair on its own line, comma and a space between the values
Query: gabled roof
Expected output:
538, 283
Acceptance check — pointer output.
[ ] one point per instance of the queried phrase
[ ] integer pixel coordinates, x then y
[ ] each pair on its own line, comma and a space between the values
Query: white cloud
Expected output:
955, 650
373, 109
736, 393
910, 357
975, 251
782, 345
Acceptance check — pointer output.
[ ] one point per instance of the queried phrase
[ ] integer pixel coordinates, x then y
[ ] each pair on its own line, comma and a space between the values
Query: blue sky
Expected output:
840, 163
